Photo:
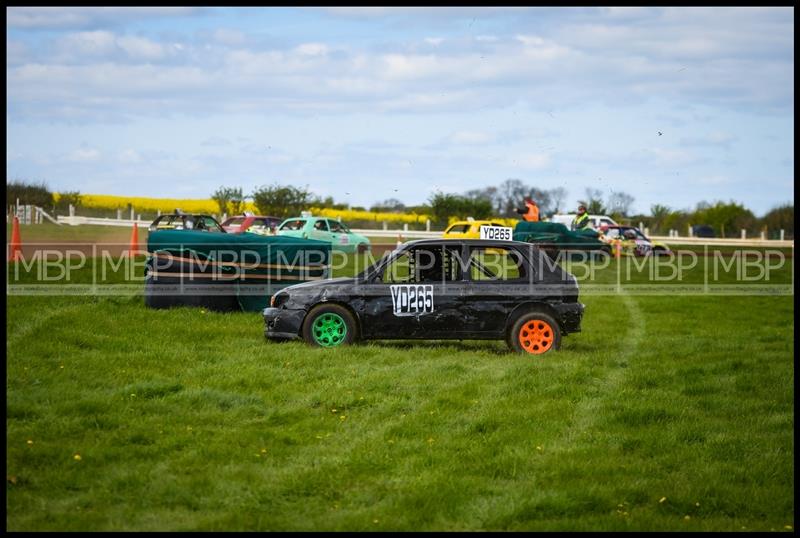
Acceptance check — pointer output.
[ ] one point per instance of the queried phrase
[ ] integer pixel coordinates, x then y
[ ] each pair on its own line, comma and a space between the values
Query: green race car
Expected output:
324, 229
554, 238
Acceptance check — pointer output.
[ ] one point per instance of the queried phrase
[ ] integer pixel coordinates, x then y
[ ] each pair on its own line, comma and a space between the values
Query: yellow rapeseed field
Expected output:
165, 205
349, 214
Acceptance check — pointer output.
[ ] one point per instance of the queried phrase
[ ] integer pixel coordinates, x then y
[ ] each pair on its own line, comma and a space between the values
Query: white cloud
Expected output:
469, 137
228, 36
97, 43
715, 179
716, 138
141, 48
97, 73
84, 155
129, 156
533, 160
312, 49
82, 17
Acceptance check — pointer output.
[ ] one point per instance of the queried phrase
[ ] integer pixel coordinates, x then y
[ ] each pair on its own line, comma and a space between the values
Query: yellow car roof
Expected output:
470, 222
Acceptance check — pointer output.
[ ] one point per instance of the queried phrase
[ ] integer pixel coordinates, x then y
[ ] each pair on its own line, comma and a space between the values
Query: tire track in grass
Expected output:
587, 410
35, 322
584, 414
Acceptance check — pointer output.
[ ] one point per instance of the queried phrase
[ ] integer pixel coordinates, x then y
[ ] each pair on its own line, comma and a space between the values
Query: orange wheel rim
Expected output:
536, 336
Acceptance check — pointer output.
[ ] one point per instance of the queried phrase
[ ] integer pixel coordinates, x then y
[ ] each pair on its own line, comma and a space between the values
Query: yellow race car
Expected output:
468, 229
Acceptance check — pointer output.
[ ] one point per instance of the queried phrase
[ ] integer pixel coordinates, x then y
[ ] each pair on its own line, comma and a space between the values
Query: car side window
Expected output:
336, 227
294, 225
209, 224
424, 265
612, 233
437, 264
321, 225
398, 270
496, 264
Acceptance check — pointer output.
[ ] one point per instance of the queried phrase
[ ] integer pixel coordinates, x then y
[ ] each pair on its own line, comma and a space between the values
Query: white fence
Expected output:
406, 234
99, 221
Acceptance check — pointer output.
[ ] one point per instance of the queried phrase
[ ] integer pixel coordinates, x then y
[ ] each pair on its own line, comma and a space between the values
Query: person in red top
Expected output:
530, 212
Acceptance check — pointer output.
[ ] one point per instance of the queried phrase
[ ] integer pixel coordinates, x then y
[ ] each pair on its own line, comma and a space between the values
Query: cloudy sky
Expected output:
366, 104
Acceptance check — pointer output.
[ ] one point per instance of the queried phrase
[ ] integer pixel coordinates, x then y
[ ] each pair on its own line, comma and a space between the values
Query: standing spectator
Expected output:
581, 220
530, 213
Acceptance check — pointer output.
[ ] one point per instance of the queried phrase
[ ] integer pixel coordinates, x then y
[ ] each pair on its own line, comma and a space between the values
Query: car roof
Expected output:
473, 221
185, 215
469, 242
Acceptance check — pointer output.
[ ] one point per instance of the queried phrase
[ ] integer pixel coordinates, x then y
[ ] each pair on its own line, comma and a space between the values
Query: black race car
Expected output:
437, 289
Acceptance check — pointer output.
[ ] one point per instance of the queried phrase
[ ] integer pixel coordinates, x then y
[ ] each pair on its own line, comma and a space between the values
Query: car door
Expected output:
418, 294
499, 277
319, 230
439, 267
339, 235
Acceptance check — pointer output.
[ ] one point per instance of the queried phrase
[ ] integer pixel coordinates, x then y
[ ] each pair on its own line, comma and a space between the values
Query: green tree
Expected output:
658, 214
780, 218
392, 205
281, 201
444, 206
727, 219
236, 202
29, 193
229, 199
594, 202
66, 199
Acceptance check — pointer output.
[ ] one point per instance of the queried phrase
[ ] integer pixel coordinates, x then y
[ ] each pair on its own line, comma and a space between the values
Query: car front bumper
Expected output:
283, 323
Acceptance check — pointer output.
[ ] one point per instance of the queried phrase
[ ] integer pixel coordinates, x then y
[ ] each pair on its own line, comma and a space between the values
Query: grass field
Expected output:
668, 412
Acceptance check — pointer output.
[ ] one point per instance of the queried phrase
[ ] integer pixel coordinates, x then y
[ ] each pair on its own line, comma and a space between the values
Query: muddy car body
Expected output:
437, 289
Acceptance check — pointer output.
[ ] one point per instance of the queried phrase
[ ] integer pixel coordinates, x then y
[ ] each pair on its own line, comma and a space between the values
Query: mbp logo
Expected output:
412, 299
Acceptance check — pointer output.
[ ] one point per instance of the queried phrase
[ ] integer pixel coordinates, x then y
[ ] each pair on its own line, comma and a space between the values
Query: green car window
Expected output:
337, 227
296, 224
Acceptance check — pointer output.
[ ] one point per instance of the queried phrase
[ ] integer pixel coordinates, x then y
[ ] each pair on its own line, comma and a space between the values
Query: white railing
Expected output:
723, 241
99, 221
405, 235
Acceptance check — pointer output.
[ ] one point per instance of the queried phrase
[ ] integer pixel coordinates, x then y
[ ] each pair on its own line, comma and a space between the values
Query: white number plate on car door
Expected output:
412, 299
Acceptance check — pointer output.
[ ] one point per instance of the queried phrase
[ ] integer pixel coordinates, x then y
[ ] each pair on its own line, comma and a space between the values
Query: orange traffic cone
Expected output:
618, 249
16, 242
134, 248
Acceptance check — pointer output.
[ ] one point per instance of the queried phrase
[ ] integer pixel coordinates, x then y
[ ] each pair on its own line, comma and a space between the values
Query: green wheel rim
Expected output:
329, 330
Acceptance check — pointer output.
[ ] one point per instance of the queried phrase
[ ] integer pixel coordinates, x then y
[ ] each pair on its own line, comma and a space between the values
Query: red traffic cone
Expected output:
16, 242
134, 248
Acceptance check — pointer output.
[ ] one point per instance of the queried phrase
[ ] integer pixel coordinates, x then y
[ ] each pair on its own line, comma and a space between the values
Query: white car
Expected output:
595, 221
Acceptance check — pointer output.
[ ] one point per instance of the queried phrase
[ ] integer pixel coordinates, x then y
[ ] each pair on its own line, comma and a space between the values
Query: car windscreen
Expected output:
338, 227
458, 228
235, 221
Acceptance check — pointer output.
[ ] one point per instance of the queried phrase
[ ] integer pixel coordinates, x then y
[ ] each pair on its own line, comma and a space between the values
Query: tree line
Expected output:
726, 218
